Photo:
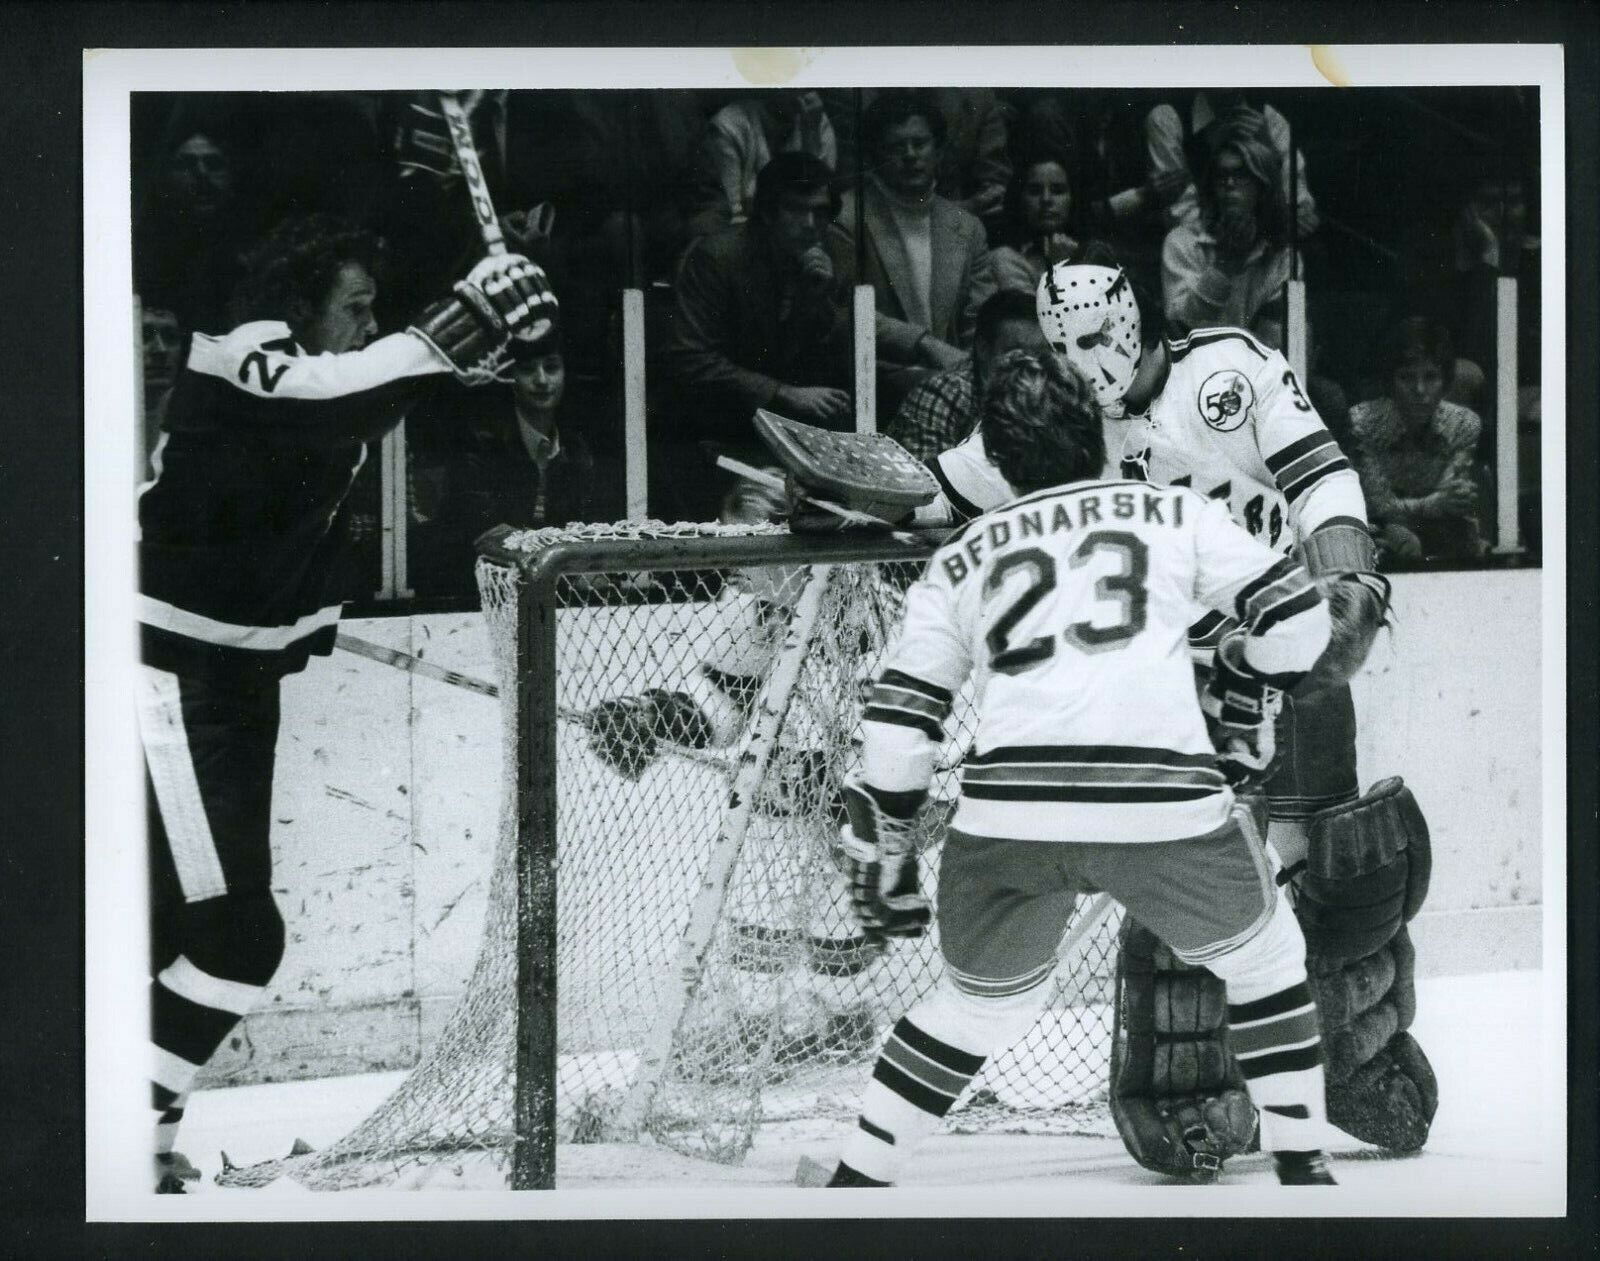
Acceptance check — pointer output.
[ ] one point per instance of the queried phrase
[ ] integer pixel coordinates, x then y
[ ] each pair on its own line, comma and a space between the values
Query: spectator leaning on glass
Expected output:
1416, 452
1225, 267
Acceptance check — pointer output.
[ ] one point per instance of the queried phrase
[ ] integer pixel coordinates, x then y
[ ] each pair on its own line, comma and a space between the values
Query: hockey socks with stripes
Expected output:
916, 1081
1277, 1042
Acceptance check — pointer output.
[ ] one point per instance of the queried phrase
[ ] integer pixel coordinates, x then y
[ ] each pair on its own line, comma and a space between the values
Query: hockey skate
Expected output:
1303, 1169
172, 1170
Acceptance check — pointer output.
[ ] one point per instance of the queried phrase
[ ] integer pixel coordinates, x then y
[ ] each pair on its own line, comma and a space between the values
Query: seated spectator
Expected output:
975, 163
1235, 259
1415, 452
924, 256
1177, 143
499, 454
740, 139
1039, 209
1117, 196
161, 342
942, 411
193, 228
758, 322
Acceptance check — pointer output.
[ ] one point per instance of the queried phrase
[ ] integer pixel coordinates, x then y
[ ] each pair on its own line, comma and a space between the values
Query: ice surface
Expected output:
1496, 1149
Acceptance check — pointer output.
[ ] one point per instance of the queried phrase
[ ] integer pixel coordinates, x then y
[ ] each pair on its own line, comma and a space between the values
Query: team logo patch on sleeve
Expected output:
1225, 400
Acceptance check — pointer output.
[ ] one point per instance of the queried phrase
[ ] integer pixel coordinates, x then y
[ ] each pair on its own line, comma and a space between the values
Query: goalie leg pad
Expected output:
1177, 1097
1390, 1101
1366, 873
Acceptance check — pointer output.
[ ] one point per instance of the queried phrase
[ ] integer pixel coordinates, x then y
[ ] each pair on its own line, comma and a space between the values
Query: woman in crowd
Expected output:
1235, 259
1416, 451
498, 455
1039, 204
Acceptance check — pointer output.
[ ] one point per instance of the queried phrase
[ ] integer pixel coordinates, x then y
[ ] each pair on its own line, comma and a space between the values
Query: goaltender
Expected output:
239, 530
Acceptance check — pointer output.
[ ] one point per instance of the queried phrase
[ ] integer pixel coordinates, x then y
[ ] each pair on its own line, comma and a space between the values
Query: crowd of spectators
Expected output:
748, 218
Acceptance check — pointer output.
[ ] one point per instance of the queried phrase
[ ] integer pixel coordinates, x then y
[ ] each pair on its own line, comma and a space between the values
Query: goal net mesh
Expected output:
775, 1009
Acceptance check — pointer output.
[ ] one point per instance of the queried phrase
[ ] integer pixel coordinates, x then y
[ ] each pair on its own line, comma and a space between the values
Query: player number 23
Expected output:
1125, 588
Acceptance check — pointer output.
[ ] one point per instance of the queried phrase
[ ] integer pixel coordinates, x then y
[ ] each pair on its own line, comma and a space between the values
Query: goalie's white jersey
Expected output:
1232, 422
1069, 608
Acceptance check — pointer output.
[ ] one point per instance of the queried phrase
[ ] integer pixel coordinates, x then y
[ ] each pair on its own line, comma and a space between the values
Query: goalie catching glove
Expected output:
504, 298
879, 859
1241, 712
867, 480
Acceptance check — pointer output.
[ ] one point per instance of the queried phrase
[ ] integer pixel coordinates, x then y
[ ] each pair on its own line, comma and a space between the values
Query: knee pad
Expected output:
1366, 873
237, 937
1177, 1096
979, 1024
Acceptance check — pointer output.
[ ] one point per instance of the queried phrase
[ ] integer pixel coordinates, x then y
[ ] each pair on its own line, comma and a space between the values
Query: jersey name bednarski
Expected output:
1151, 507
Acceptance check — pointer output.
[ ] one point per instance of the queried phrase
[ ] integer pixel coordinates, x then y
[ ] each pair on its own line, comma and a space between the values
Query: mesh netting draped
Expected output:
711, 978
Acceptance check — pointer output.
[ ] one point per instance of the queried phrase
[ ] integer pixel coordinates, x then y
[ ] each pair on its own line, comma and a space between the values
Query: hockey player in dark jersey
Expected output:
239, 530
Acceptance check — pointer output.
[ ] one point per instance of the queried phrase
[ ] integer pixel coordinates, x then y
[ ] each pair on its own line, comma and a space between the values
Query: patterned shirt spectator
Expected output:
1416, 452
1403, 468
938, 414
943, 409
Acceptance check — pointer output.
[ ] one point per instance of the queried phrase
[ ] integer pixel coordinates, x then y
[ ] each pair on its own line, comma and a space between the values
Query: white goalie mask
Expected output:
1090, 318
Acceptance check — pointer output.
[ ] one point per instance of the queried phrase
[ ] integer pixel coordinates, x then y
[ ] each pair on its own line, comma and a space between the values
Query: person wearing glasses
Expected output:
1225, 268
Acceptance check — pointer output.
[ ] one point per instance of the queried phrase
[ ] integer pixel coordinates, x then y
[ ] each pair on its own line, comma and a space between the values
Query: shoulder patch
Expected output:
1225, 399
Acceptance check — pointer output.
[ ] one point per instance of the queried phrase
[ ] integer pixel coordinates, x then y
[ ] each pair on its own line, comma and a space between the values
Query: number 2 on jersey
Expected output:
1125, 588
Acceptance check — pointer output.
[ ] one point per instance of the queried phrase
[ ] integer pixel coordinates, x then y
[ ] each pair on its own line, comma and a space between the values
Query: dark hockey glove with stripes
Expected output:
1241, 712
626, 733
879, 857
503, 298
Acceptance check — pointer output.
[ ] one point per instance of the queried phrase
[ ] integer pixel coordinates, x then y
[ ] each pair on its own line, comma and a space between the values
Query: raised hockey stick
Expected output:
455, 117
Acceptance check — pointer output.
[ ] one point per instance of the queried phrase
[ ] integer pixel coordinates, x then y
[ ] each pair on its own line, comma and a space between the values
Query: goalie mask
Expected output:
1090, 318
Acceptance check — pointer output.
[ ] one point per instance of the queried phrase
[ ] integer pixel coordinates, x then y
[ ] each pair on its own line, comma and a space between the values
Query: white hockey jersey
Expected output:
1231, 422
1069, 607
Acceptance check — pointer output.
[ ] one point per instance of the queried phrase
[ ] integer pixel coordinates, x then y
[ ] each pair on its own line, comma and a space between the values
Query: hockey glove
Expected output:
503, 296
625, 733
1358, 608
880, 860
1241, 712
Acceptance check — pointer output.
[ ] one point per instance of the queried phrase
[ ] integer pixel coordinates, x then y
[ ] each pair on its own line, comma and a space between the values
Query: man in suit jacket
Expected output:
925, 257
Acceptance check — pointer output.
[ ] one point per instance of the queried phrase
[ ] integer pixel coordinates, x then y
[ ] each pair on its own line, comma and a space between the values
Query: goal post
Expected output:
668, 954
537, 710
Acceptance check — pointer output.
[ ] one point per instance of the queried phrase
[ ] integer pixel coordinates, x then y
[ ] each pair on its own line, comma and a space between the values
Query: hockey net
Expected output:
671, 956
